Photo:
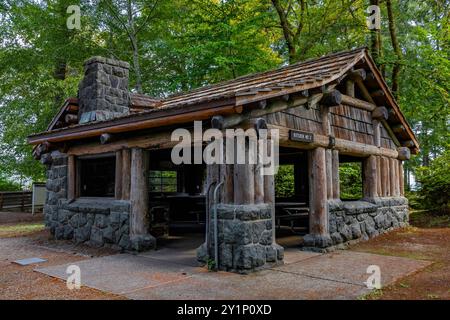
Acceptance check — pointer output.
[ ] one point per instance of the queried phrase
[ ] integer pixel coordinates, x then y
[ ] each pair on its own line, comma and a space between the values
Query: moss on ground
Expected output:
20, 229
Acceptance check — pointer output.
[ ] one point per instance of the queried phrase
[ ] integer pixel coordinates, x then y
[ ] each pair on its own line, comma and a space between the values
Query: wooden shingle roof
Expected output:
293, 78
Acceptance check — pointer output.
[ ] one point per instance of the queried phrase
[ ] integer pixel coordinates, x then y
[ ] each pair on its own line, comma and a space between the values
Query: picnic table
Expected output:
291, 212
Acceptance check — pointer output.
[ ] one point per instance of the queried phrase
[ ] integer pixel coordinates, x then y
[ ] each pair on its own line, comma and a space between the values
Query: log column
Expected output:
318, 219
379, 182
401, 178
118, 175
139, 236
71, 178
395, 175
385, 177
392, 176
335, 173
329, 173
370, 178
403, 154
126, 174
244, 177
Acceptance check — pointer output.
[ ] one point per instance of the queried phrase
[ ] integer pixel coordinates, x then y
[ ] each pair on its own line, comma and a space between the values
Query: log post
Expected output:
401, 178
396, 184
139, 192
227, 171
376, 132
269, 198
325, 115
318, 218
350, 88
335, 173
118, 175
385, 176
126, 174
370, 178
379, 181
391, 177
244, 177
71, 178
259, 184
329, 172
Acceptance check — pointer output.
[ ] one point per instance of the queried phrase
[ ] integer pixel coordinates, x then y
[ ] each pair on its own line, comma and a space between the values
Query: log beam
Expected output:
331, 98
380, 113
346, 147
404, 153
358, 103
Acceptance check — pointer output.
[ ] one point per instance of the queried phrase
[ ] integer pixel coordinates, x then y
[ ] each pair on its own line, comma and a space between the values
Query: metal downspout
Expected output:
216, 245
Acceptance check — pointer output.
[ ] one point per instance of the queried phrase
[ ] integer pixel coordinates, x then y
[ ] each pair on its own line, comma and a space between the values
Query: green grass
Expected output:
20, 229
429, 219
372, 295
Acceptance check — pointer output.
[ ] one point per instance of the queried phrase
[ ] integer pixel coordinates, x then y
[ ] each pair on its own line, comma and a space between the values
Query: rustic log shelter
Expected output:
111, 180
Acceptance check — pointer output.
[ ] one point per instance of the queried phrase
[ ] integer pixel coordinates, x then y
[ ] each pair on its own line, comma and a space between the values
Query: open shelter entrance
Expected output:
177, 211
291, 197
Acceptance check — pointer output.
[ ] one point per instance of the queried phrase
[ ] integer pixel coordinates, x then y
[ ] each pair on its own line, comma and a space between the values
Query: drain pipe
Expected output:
208, 191
216, 246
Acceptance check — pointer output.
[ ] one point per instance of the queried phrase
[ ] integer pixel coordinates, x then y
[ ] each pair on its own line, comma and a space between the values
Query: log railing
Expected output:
15, 200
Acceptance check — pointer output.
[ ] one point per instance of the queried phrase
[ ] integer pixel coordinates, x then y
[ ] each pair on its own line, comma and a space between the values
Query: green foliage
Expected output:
211, 264
350, 175
284, 181
434, 183
7, 185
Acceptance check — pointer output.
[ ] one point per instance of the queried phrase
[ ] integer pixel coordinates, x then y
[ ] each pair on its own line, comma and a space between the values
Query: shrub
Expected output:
284, 181
350, 176
434, 183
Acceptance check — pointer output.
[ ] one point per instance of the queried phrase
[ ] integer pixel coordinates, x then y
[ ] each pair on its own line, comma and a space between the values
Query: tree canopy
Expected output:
179, 45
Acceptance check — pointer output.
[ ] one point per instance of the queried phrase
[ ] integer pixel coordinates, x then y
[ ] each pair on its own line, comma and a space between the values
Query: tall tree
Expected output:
130, 16
396, 47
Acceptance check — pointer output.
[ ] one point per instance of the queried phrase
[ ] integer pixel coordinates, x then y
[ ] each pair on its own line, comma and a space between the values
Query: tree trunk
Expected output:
395, 45
376, 45
134, 44
286, 28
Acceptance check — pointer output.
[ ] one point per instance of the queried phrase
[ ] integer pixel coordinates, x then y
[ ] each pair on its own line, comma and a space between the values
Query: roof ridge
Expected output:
251, 75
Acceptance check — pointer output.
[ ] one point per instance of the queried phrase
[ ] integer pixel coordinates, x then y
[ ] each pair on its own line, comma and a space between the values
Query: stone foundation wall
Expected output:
96, 222
245, 238
363, 220
56, 186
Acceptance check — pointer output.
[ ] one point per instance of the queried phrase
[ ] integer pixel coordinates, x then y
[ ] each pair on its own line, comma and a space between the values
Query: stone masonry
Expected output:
245, 237
103, 92
355, 220
96, 222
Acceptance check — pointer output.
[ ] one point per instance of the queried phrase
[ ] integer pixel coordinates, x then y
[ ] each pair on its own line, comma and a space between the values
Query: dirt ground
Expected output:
428, 238
27, 238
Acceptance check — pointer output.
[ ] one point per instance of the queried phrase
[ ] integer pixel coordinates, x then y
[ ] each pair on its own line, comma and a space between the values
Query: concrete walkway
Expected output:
171, 273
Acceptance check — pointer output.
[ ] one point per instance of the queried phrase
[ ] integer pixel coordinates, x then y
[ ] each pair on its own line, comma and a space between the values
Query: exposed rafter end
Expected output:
332, 98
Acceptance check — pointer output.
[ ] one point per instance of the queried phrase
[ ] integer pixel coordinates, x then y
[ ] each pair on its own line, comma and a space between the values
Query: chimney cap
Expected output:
103, 60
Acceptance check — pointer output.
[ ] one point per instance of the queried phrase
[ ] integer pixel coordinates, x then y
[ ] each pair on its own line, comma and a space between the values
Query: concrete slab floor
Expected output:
164, 274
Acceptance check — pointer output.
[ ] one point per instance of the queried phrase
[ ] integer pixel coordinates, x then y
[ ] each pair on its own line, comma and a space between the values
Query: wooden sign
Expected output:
301, 136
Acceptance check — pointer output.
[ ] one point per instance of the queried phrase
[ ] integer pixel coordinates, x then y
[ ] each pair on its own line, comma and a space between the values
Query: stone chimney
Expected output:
103, 92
